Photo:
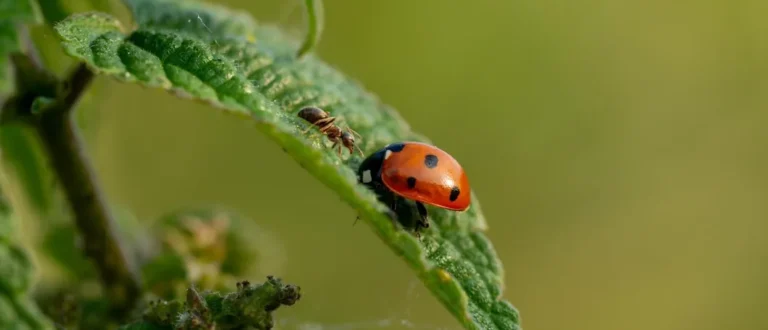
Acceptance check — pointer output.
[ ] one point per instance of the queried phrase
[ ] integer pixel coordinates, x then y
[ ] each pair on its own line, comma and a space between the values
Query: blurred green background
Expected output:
618, 148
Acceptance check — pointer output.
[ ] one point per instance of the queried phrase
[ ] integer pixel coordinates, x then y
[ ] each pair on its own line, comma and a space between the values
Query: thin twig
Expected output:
92, 216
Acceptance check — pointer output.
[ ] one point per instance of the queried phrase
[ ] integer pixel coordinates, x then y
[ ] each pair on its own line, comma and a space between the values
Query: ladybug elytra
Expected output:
419, 172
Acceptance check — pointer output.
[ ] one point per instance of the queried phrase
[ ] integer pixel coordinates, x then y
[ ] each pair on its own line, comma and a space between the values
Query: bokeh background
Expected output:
619, 149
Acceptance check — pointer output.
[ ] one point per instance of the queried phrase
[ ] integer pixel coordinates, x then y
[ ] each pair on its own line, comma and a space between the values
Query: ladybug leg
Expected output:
388, 200
423, 213
395, 199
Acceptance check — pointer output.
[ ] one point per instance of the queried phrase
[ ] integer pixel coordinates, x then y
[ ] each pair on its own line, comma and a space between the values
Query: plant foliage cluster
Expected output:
237, 65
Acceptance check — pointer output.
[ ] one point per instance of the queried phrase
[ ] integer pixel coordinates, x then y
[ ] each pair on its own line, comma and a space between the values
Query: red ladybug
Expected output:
419, 172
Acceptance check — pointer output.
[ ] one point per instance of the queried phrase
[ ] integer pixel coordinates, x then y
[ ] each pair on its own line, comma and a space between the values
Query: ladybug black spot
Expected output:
430, 161
411, 182
454, 193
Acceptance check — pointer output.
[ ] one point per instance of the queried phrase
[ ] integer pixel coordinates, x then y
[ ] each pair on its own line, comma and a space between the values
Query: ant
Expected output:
324, 121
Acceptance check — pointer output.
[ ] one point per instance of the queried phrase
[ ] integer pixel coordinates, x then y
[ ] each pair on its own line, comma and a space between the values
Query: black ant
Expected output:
324, 121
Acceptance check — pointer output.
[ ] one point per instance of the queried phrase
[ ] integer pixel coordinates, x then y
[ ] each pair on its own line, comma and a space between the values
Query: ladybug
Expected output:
419, 172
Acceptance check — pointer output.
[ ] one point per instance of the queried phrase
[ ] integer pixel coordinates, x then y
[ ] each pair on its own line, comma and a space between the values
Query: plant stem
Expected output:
314, 12
92, 216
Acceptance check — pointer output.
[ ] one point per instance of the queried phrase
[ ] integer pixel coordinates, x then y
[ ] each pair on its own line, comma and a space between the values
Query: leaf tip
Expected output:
88, 22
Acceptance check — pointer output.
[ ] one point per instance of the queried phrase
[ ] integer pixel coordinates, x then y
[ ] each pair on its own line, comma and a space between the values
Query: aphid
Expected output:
419, 172
325, 122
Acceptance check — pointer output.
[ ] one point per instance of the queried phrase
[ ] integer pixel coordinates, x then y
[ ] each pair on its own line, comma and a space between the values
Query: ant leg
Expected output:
325, 124
338, 150
356, 218
327, 127
324, 121
307, 130
322, 124
322, 129
360, 150
423, 214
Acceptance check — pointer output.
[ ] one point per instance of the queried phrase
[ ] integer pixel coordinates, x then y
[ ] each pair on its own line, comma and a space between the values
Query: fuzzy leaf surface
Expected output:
225, 58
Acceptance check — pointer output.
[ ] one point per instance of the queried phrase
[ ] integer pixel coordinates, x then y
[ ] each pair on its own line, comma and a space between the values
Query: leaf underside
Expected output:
223, 57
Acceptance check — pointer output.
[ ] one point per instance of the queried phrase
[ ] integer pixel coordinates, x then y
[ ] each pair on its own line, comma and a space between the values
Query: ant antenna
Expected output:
360, 150
353, 131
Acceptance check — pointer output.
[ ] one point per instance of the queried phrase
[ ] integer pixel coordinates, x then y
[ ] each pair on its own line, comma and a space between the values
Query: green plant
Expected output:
17, 311
262, 75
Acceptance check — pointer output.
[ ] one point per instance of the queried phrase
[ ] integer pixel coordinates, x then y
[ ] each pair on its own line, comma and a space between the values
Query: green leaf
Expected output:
17, 311
15, 269
20, 11
8, 43
23, 157
12, 14
225, 58
40, 104
208, 248
314, 26
17, 145
165, 275
61, 242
